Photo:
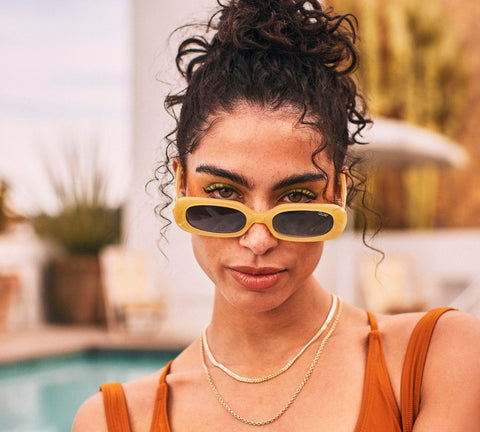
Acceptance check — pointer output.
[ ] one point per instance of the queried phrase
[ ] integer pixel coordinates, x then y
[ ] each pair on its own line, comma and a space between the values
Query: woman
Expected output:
261, 165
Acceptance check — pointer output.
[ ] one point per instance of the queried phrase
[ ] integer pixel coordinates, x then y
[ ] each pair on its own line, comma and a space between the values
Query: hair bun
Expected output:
287, 26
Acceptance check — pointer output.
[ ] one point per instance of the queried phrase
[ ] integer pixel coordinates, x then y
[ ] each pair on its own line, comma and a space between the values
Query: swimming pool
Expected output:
44, 395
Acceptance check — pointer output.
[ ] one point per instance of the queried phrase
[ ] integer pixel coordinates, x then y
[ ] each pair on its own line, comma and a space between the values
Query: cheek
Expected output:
207, 252
200, 249
308, 256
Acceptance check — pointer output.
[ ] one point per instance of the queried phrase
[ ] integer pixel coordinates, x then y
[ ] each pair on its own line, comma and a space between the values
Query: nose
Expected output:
258, 239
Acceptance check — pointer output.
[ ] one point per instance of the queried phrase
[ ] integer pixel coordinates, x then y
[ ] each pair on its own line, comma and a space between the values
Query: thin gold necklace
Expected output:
295, 394
284, 368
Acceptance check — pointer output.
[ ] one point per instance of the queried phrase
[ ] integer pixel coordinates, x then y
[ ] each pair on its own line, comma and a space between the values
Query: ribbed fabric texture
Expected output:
160, 414
379, 411
115, 405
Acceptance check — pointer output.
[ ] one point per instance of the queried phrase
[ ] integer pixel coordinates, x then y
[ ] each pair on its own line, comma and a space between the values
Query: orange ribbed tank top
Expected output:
379, 411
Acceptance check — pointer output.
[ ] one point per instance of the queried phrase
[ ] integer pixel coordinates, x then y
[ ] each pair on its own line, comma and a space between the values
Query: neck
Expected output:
267, 337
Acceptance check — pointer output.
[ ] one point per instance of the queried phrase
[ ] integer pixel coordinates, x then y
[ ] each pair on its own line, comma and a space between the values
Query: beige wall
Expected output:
179, 279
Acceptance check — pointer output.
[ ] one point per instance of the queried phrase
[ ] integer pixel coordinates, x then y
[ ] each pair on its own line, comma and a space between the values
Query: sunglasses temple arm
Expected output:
343, 189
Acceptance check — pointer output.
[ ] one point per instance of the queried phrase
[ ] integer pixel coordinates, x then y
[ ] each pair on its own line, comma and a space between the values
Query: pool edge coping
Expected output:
62, 340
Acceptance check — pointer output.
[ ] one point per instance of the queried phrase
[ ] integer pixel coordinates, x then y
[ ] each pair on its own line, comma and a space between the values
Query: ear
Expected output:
342, 186
179, 178
175, 164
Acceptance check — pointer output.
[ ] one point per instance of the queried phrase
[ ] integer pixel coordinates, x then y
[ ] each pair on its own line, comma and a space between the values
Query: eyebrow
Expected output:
220, 172
300, 178
239, 179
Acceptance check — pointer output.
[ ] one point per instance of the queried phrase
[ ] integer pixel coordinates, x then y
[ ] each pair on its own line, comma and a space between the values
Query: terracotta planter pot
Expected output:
74, 292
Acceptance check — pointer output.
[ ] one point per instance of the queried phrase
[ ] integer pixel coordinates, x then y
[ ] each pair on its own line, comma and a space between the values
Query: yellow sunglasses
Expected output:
213, 217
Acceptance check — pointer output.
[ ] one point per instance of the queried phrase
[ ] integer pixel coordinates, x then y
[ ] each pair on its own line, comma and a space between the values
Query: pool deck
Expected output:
60, 340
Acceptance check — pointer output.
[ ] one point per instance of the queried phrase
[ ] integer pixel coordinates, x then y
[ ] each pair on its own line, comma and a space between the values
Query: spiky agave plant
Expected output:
84, 221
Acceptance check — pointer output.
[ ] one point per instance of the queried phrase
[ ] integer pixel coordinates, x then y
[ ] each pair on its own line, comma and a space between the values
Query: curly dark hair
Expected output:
273, 54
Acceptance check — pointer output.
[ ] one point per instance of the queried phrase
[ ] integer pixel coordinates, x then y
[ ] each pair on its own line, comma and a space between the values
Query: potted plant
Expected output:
82, 225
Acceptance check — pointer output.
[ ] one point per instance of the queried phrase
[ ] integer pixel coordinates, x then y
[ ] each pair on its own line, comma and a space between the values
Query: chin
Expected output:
253, 302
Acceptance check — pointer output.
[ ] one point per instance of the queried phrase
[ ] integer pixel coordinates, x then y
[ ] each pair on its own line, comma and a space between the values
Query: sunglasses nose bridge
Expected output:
258, 217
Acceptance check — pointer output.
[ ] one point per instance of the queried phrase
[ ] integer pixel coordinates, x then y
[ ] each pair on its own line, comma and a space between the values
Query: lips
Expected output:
257, 278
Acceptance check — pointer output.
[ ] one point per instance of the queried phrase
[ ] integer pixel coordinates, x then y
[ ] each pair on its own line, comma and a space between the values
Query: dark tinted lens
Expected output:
215, 219
303, 223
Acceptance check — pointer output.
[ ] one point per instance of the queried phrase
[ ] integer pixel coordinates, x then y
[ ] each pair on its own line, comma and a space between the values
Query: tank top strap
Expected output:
115, 405
379, 410
373, 321
160, 413
413, 366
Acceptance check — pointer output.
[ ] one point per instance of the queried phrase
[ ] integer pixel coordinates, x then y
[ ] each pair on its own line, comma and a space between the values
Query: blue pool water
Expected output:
44, 395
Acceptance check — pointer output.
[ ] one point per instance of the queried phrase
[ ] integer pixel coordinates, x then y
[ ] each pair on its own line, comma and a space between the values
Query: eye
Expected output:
299, 196
221, 191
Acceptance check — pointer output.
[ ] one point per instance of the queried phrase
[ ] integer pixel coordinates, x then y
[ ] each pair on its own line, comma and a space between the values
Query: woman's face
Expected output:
260, 158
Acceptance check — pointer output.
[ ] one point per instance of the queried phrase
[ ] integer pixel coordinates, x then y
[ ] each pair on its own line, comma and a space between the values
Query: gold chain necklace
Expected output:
284, 368
295, 394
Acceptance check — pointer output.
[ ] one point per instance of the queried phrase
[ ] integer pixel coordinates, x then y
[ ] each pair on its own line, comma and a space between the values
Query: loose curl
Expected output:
273, 54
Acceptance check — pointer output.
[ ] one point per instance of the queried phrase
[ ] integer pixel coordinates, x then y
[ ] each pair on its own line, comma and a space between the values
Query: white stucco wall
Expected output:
187, 290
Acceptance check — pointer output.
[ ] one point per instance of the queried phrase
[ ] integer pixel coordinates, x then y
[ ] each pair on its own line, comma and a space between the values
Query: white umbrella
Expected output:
400, 144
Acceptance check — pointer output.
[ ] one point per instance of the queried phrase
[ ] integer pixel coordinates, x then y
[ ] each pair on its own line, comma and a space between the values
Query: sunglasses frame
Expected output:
337, 212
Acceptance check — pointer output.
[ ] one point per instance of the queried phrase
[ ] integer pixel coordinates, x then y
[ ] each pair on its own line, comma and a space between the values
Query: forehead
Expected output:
253, 138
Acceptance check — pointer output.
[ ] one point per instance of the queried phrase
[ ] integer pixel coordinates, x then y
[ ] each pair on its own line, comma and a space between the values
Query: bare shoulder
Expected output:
451, 384
455, 345
91, 416
450, 392
139, 395
461, 323
461, 326
456, 335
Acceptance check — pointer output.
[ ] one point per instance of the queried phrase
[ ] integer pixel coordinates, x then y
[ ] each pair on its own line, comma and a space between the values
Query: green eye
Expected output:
220, 190
300, 196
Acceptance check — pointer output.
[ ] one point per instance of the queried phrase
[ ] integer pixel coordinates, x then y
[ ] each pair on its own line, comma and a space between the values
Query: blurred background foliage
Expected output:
412, 68
84, 221
83, 229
